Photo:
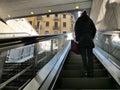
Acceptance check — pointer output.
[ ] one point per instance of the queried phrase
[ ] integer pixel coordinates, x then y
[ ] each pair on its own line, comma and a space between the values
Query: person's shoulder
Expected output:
79, 18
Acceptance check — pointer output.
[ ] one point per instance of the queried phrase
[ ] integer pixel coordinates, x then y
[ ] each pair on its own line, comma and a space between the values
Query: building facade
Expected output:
53, 23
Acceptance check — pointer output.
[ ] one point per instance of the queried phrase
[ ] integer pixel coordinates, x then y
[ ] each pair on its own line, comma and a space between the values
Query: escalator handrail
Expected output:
109, 65
9, 43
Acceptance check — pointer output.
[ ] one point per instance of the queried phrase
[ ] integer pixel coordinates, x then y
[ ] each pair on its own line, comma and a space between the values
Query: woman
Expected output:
85, 31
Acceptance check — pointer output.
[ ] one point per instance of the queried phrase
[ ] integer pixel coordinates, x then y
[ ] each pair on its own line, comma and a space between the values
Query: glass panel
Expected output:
109, 41
23, 63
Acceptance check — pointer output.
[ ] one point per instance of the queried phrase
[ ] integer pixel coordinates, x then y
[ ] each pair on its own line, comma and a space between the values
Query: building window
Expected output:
47, 24
64, 32
46, 32
56, 15
64, 16
30, 22
48, 15
39, 17
38, 23
56, 24
64, 24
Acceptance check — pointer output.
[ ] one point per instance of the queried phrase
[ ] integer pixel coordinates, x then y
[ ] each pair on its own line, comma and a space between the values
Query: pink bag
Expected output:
74, 47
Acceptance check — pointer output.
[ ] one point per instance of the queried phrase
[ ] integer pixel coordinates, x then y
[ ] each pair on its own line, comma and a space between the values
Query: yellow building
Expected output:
53, 23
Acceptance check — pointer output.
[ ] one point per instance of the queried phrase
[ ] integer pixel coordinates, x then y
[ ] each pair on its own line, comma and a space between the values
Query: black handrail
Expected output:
15, 33
9, 43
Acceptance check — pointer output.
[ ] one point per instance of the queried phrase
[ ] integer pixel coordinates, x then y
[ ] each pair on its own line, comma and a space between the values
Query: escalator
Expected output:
72, 78
17, 75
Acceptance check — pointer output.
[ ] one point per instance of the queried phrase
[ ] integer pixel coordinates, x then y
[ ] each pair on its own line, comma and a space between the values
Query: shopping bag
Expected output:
74, 47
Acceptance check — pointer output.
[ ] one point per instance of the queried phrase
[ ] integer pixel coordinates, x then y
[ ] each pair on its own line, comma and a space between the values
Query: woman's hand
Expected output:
77, 42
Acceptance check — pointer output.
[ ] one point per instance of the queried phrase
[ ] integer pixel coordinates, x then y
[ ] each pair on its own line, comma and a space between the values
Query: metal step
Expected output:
79, 61
78, 66
72, 67
86, 83
79, 73
86, 89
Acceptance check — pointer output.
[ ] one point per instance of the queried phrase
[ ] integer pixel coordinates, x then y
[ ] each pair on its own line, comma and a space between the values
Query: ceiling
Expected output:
21, 8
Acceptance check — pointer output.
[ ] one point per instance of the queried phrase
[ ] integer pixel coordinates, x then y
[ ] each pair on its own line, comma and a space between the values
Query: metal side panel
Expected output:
110, 66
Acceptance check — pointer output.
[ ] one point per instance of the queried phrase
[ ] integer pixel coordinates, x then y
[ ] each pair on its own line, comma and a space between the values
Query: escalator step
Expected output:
72, 67
86, 83
78, 66
98, 66
72, 73
85, 89
79, 73
73, 62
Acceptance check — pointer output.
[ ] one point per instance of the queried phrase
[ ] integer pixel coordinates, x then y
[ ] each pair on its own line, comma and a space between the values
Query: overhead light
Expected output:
49, 10
77, 7
9, 16
32, 13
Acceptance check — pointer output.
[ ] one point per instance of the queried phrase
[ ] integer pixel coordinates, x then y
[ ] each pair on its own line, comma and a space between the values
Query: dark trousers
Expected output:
87, 59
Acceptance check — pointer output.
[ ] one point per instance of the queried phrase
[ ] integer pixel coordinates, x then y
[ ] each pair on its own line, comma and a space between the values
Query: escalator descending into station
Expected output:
72, 78
17, 75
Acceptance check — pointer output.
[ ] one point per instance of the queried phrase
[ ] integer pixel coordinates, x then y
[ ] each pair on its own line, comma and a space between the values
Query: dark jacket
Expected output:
85, 31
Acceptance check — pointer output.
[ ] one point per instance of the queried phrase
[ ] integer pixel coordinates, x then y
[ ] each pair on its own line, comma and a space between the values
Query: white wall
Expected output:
106, 14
